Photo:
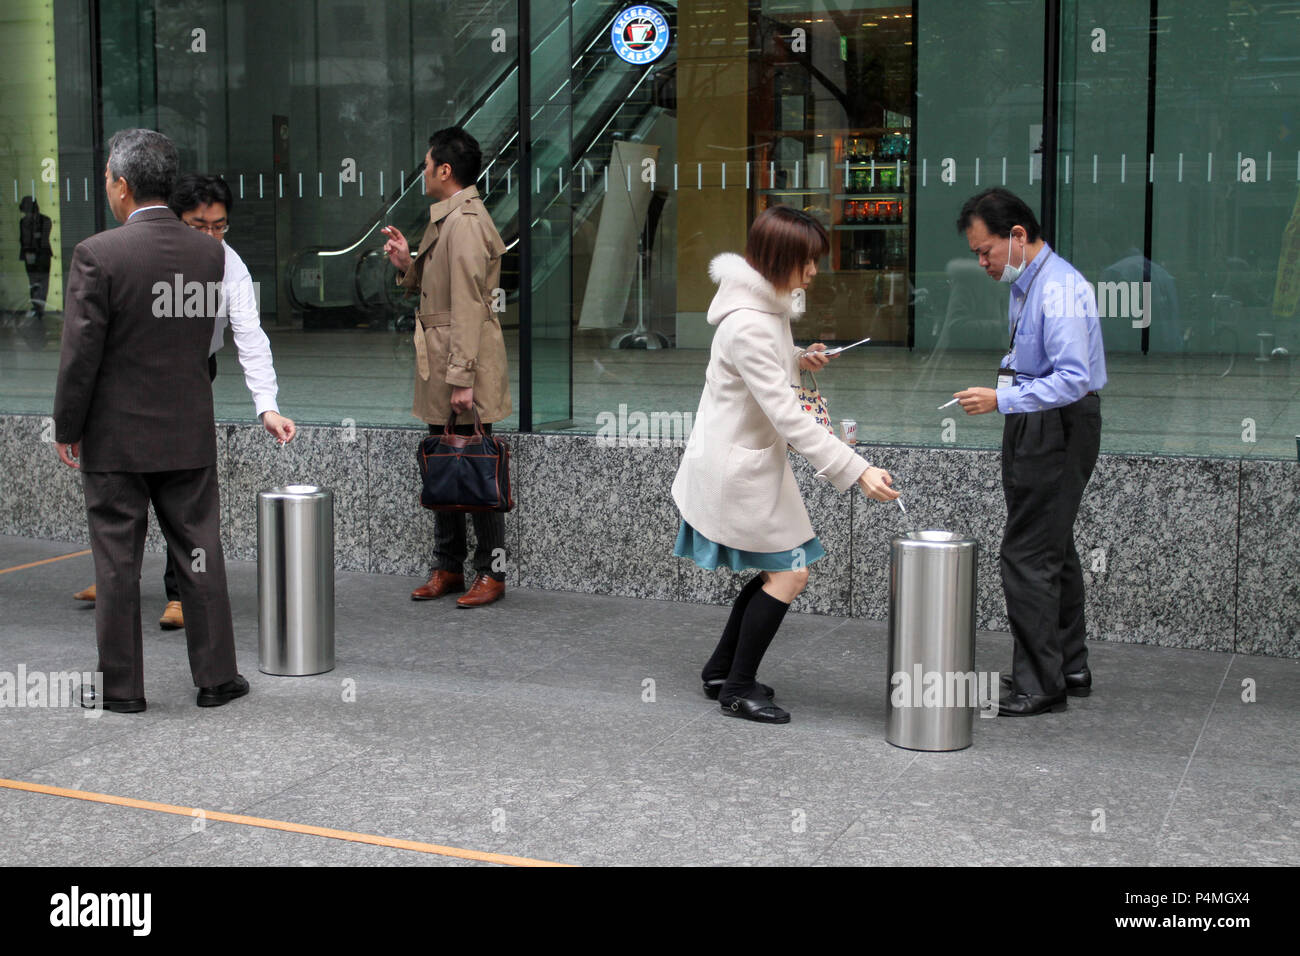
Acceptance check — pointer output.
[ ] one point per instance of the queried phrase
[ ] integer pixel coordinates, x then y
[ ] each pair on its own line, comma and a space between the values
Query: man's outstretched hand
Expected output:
977, 400
396, 248
282, 428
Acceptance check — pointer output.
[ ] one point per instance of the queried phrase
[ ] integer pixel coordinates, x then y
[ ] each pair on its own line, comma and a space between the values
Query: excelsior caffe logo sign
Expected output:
639, 34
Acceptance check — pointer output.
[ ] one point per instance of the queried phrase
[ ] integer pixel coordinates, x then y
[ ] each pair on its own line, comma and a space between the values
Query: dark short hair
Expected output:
460, 151
200, 189
1000, 209
147, 160
783, 239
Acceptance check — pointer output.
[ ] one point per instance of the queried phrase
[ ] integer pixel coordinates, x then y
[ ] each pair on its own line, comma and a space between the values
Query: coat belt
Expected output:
421, 348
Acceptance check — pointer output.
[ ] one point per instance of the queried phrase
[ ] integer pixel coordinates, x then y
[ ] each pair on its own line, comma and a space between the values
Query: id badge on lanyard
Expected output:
1007, 374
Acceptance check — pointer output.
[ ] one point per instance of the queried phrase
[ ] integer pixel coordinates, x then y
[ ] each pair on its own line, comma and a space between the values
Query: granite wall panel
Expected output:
1268, 565
42, 497
1157, 539
333, 458
1182, 552
956, 490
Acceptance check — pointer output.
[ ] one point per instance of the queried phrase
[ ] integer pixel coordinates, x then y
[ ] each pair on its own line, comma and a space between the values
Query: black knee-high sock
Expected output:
719, 665
762, 619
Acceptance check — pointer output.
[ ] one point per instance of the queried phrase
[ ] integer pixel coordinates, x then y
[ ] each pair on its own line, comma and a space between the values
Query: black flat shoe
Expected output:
1078, 684
756, 708
1029, 705
223, 693
131, 705
712, 688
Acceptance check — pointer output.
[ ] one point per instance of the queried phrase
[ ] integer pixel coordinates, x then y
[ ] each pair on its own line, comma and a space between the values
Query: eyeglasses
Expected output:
215, 229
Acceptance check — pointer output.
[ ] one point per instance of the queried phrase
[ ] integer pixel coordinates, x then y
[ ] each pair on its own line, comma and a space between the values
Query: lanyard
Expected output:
1016, 324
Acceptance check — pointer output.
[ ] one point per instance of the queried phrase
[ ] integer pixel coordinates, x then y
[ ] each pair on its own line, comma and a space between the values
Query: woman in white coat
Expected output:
735, 489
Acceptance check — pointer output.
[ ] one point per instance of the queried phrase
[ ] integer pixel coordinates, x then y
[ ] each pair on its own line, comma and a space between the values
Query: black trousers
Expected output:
170, 584
450, 542
189, 513
1047, 459
38, 280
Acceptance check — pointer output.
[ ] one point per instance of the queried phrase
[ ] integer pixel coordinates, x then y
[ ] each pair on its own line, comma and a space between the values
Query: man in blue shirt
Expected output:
1047, 387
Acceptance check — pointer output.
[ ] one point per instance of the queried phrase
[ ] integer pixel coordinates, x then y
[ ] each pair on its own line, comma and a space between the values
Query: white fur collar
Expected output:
740, 286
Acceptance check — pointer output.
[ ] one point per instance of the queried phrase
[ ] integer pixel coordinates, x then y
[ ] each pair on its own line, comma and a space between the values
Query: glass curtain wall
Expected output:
1225, 230
755, 103
318, 114
1177, 170
1179, 173
979, 124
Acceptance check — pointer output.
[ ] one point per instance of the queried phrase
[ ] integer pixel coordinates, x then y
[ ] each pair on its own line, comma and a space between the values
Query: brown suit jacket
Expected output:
458, 340
133, 383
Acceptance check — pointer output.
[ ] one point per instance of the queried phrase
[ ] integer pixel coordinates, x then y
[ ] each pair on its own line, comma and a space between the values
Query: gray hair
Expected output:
146, 160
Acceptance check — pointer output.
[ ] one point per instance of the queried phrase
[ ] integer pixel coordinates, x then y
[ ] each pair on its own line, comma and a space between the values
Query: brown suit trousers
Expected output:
188, 510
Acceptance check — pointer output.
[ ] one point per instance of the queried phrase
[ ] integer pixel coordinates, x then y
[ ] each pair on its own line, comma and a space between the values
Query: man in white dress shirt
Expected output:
203, 202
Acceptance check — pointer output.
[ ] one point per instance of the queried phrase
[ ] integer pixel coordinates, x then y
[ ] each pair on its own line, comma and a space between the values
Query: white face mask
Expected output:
1011, 273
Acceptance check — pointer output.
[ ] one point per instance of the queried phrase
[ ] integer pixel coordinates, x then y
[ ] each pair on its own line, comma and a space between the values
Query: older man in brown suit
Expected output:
460, 352
133, 411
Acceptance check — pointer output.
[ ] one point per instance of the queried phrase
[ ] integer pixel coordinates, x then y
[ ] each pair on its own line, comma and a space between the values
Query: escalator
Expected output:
590, 98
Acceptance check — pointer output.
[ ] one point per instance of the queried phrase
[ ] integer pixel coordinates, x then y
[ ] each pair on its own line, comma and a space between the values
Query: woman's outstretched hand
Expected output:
810, 361
876, 484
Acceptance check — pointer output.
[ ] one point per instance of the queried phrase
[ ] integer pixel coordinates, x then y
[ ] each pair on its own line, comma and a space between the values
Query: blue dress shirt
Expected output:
1057, 350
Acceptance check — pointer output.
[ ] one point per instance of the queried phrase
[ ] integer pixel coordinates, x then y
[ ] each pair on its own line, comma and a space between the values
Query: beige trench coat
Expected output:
458, 341
735, 485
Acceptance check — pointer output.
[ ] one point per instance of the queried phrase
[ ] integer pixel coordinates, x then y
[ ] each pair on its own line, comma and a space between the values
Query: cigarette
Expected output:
900, 505
946, 404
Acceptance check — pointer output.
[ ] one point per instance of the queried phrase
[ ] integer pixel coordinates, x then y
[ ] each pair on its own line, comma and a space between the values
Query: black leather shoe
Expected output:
223, 693
756, 708
712, 688
1078, 684
1028, 705
90, 700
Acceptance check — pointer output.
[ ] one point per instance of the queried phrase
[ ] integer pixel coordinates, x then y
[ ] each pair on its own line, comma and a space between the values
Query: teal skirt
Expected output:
709, 554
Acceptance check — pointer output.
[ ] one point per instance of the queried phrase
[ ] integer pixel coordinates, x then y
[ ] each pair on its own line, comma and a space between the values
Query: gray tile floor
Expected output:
1157, 404
524, 729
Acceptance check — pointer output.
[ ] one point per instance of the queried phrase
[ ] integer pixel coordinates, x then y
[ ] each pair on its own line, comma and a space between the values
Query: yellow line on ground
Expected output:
36, 564
370, 838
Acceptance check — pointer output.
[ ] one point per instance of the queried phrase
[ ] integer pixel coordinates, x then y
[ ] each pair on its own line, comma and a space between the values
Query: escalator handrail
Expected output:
511, 67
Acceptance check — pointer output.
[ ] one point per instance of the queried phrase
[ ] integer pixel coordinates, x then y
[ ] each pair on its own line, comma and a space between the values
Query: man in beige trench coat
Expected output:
460, 352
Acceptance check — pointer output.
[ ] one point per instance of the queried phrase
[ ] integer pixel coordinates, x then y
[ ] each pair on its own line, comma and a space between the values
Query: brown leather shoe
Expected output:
172, 618
485, 590
440, 583
85, 594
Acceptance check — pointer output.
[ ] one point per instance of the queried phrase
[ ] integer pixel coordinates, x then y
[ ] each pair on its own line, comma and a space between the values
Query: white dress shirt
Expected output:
251, 343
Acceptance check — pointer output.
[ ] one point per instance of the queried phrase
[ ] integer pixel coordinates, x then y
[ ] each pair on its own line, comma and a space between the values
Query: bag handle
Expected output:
448, 429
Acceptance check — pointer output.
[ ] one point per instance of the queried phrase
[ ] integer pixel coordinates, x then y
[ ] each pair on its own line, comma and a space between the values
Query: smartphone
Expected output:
844, 348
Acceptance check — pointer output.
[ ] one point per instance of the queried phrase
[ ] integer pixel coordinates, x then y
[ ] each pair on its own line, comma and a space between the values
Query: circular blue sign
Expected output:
639, 34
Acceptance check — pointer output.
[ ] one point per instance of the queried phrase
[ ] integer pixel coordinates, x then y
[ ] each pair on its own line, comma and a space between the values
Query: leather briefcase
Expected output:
465, 472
